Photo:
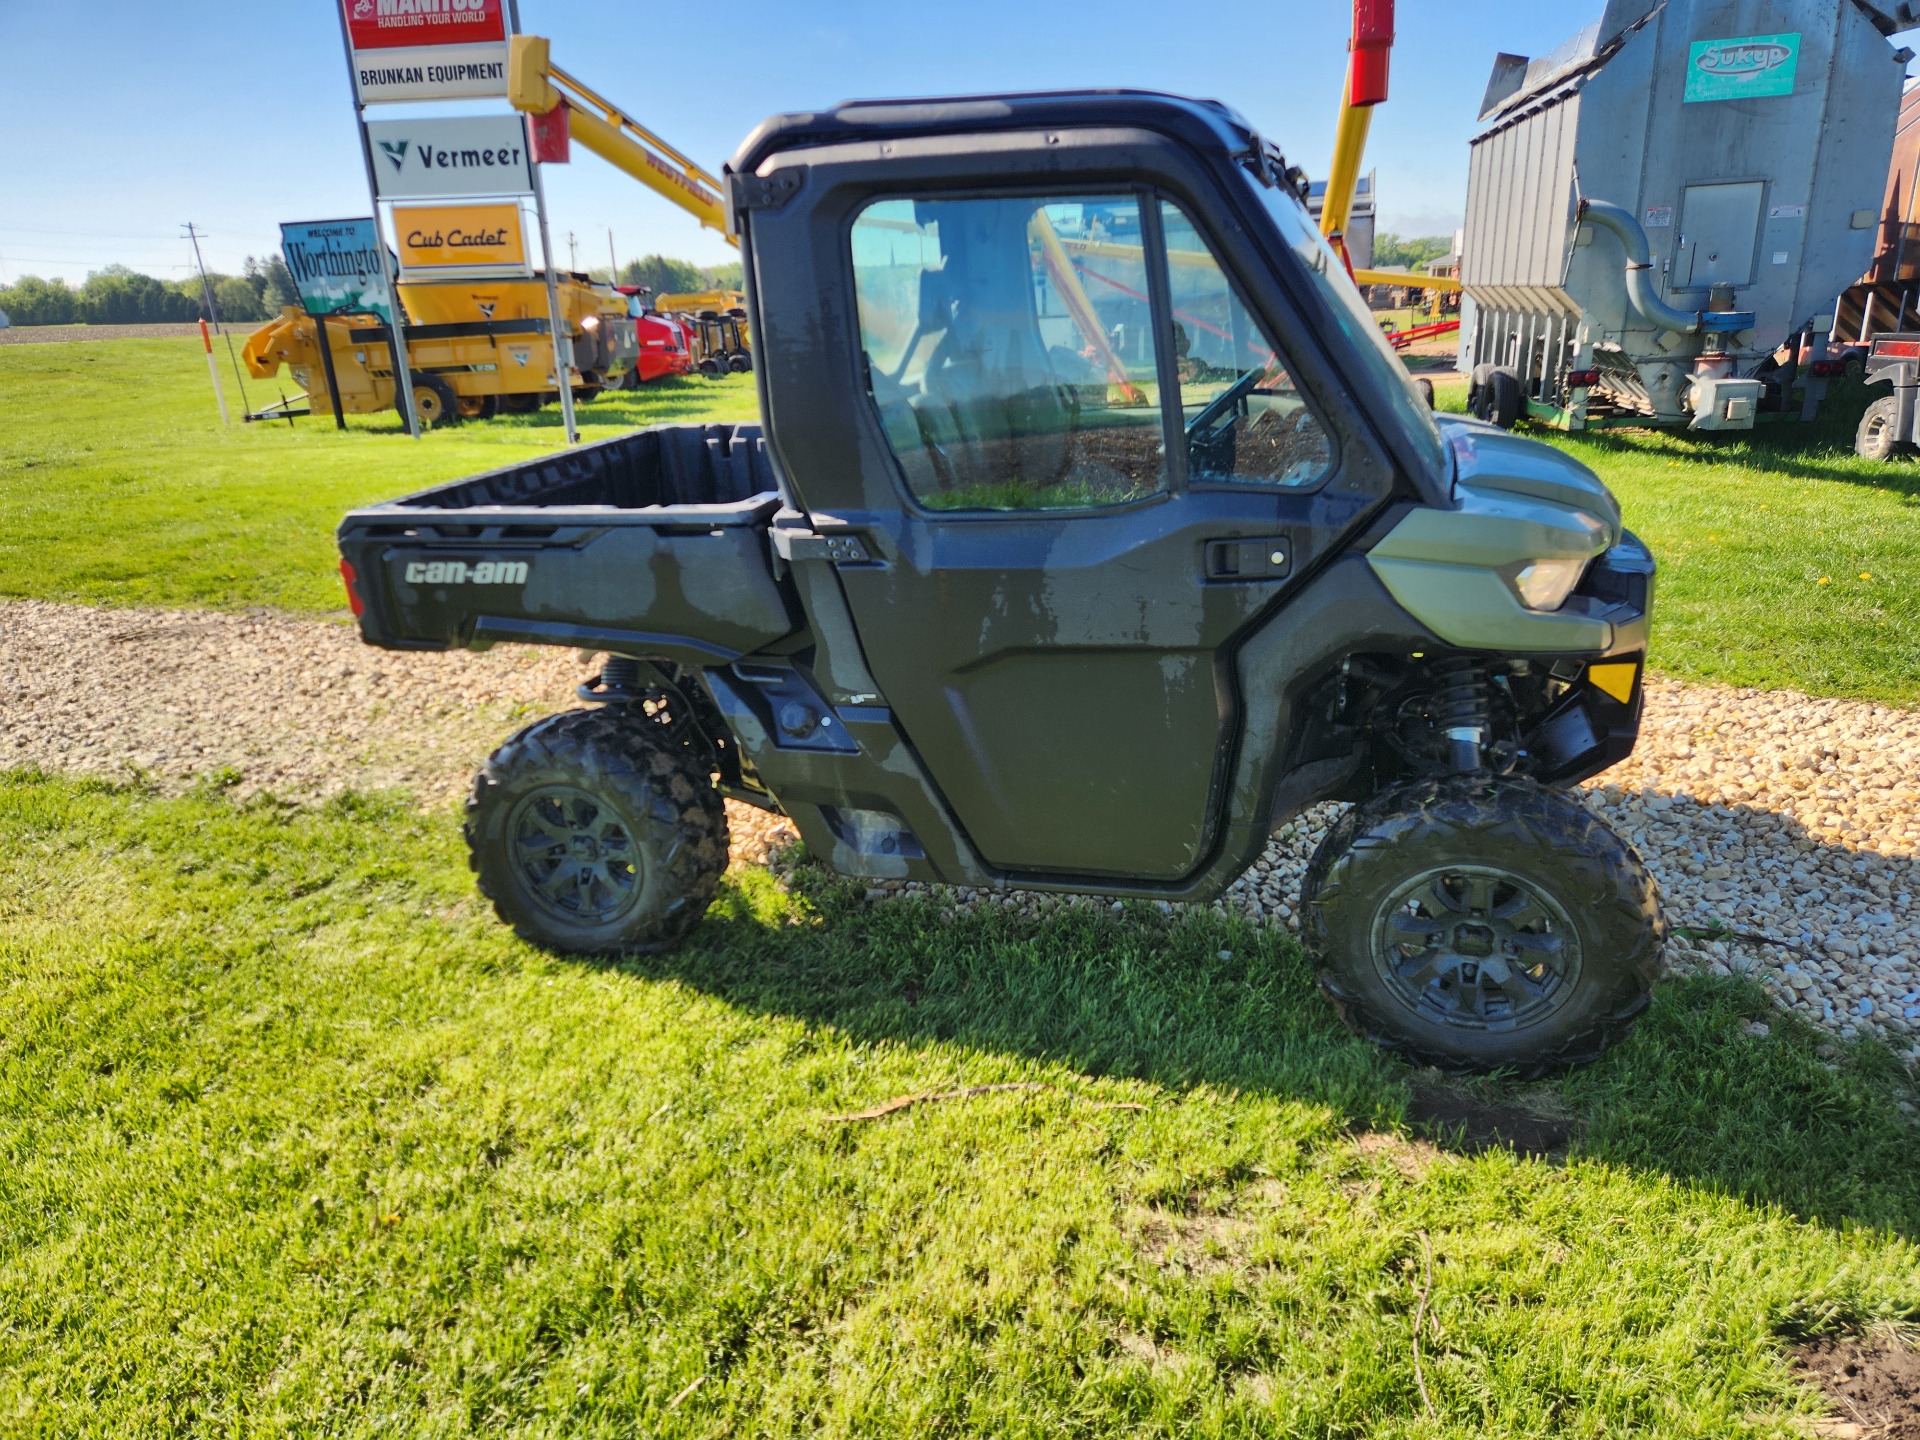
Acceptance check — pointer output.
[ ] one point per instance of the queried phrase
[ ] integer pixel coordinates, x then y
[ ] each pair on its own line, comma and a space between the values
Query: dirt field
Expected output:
57, 334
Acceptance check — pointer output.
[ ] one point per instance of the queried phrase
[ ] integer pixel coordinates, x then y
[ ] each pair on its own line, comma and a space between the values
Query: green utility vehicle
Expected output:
1093, 532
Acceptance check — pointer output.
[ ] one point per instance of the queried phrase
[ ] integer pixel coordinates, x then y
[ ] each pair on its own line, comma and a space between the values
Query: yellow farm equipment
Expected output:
474, 348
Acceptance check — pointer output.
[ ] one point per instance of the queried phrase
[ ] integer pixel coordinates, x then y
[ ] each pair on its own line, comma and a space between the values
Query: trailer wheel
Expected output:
1496, 398
433, 401
594, 832
478, 407
738, 365
1479, 924
1877, 438
1425, 387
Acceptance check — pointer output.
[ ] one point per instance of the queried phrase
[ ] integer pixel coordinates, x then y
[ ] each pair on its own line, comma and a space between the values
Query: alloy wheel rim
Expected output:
1476, 947
575, 855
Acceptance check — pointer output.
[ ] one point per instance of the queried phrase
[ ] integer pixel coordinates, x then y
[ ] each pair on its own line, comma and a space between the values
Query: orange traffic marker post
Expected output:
213, 369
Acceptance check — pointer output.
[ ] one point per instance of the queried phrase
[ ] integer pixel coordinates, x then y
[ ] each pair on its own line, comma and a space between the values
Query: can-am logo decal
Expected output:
460, 572
1748, 67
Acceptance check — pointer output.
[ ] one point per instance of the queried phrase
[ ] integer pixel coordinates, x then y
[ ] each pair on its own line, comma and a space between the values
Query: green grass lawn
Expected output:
295, 1139
118, 485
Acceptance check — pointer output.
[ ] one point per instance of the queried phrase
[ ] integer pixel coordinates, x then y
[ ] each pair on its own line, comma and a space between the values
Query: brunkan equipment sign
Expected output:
427, 49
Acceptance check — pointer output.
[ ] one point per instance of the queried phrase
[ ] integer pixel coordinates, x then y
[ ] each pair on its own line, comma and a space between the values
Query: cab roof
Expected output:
1207, 124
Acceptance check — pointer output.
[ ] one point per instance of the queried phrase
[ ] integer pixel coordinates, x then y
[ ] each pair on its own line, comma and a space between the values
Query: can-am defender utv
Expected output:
1093, 531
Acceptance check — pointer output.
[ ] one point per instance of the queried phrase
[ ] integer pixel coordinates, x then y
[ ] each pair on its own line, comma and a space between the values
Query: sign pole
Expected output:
562, 341
396, 312
326, 365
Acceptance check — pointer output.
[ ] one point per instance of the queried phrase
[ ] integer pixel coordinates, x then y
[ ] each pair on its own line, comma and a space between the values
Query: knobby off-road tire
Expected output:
1478, 925
595, 832
1875, 439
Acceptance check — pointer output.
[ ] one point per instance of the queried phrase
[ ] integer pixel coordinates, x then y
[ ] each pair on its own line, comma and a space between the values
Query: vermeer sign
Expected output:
444, 159
1749, 68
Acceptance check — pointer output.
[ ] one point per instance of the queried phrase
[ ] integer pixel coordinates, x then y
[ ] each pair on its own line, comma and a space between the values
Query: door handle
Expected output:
1268, 558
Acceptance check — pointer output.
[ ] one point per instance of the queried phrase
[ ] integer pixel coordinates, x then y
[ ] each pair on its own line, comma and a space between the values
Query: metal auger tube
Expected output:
1650, 306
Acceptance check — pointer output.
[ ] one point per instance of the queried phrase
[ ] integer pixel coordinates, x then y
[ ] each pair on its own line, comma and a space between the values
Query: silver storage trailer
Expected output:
1662, 212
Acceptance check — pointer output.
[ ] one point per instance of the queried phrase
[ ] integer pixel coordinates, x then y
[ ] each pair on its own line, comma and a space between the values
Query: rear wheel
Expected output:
596, 832
1425, 387
1496, 397
434, 401
478, 407
1878, 437
1478, 925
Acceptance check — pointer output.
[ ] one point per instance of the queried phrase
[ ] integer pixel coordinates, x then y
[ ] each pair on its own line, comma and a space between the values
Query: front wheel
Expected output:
594, 832
1877, 437
1479, 924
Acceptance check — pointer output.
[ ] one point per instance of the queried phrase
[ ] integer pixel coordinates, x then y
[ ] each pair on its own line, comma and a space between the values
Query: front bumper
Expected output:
1596, 722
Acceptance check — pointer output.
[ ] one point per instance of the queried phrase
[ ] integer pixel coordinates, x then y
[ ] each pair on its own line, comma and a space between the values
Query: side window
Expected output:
1007, 376
1246, 423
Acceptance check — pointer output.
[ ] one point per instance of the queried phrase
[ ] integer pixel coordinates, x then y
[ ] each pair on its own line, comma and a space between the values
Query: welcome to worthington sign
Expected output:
427, 49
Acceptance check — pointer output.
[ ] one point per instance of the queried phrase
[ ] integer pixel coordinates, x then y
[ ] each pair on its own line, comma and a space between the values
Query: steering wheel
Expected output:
1210, 440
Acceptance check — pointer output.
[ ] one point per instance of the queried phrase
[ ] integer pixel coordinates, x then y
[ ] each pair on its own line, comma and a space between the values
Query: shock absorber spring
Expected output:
618, 682
1463, 709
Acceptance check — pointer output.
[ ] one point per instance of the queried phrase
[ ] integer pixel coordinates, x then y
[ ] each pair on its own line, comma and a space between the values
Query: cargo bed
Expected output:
649, 544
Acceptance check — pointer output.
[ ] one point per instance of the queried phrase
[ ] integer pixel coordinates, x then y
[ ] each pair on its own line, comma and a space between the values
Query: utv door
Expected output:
1096, 473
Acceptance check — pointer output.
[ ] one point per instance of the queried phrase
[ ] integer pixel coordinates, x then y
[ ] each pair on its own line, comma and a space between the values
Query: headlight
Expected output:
591, 322
1545, 584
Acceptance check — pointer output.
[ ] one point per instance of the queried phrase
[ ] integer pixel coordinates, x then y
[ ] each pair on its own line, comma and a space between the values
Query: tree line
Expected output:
664, 275
1411, 251
120, 295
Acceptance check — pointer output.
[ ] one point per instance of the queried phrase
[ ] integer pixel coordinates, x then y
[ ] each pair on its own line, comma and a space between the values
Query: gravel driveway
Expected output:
1763, 813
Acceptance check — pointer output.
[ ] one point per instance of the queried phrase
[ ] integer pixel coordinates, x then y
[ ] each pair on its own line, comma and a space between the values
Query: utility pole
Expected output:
613, 265
213, 314
573, 252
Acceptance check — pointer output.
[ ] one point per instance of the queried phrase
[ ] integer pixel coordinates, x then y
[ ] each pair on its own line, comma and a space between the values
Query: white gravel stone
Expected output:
1760, 812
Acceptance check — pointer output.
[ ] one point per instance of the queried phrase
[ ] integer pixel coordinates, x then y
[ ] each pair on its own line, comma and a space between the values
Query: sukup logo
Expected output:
1742, 59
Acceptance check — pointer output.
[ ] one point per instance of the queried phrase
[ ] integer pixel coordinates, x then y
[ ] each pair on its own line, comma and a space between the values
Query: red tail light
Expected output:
354, 602
1580, 379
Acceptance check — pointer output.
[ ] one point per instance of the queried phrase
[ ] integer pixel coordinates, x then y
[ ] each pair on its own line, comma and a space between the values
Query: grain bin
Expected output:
1656, 209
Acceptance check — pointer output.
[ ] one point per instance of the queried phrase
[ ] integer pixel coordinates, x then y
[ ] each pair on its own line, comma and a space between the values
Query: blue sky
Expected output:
125, 119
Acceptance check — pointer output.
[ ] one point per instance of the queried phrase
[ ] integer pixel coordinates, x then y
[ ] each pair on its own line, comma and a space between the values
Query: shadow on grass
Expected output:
1205, 1000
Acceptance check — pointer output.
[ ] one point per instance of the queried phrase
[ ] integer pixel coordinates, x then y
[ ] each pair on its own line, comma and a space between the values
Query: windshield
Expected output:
1390, 379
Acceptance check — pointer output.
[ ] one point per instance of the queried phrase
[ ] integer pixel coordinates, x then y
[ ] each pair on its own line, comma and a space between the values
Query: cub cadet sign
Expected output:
443, 159
1749, 68
446, 241
427, 49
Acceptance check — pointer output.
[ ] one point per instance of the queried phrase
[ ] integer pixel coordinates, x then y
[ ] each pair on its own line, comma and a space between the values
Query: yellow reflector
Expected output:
1616, 679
